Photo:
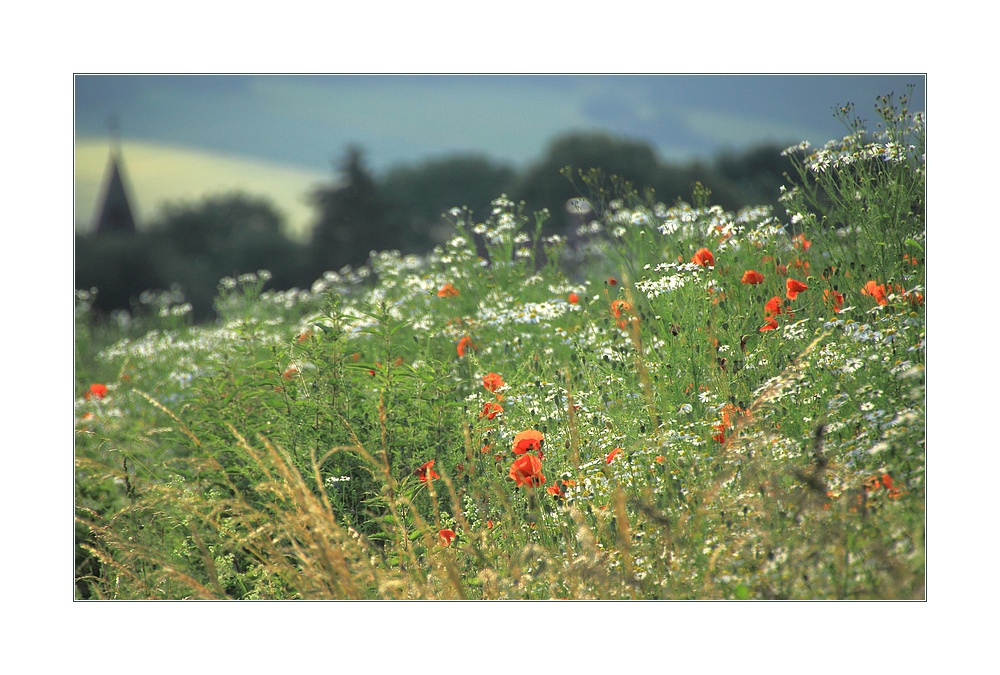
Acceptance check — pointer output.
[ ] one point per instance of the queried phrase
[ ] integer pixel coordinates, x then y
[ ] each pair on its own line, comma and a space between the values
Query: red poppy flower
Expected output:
876, 483
800, 241
733, 411
528, 440
425, 472
611, 455
447, 290
556, 491
574, 298
794, 288
465, 344
612, 281
888, 484
773, 307
751, 277
492, 382
880, 293
446, 536
770, 325
875, 291
619, 306
703, 257
98, 390
491, 410
729, 415
527, 470
833, 300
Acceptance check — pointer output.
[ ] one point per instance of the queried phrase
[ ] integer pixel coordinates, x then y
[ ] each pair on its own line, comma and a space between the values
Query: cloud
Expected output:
156, 173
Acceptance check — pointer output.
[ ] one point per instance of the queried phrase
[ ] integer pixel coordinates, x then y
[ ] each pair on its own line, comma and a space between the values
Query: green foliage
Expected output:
755, 174
736, 182
186, 251
120, 266
544, 187
418, 197
869, 183
191, 245
329, 443
351, 217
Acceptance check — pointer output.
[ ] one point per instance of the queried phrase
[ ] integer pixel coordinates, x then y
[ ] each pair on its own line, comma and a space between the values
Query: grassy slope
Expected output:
279, 453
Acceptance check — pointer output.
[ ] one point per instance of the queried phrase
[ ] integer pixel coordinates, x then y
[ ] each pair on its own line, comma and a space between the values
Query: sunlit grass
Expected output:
724, 409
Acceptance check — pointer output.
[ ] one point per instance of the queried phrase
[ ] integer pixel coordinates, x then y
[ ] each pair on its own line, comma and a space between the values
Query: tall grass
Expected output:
701, 432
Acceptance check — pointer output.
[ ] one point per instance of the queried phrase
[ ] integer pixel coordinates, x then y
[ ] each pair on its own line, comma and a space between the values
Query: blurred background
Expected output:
181, 180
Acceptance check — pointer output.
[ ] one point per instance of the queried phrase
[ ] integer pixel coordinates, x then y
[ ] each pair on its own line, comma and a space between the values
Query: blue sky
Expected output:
186, 136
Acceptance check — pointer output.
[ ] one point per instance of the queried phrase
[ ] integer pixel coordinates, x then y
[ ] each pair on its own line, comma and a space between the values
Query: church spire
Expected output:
115, 214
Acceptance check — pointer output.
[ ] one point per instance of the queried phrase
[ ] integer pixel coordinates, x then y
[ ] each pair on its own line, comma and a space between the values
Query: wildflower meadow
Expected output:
675, 402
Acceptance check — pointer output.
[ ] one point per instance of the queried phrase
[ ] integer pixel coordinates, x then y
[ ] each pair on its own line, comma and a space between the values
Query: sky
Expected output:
186, 136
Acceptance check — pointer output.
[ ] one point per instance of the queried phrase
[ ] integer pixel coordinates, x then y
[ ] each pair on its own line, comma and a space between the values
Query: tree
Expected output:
120, 266
199, 243
544, 186
757, 174
351, 222
192, 245
417, 196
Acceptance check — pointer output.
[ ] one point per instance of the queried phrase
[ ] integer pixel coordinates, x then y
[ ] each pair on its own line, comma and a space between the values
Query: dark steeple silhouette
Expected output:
115, 214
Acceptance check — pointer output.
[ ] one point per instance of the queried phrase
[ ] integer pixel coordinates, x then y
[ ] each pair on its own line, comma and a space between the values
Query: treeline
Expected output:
192, 245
